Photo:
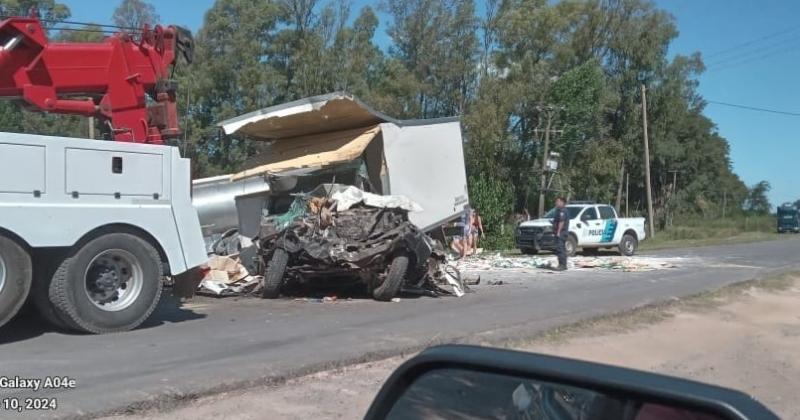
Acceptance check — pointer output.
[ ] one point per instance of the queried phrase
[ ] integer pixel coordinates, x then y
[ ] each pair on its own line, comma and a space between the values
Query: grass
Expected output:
687, 232
693, 232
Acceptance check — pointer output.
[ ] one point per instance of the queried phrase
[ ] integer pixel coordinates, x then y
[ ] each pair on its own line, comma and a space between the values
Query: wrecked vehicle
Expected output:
340, 234
335, 138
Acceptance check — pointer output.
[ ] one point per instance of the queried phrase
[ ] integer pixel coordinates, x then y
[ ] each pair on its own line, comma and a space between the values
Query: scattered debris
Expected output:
226, 276
523, 263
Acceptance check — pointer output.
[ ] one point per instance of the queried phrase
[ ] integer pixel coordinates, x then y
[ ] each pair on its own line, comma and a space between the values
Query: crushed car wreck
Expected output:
327, 238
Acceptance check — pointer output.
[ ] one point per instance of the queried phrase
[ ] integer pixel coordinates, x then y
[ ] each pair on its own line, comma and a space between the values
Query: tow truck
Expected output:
88, 228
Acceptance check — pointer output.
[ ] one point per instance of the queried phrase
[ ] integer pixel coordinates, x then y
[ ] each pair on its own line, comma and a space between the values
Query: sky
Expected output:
752, 53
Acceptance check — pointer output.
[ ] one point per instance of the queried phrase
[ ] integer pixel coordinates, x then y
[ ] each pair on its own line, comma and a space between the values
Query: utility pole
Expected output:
647, 165
550, 111
627, 190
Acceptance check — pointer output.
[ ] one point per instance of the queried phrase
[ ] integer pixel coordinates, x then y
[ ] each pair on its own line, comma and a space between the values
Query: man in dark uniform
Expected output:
561, 230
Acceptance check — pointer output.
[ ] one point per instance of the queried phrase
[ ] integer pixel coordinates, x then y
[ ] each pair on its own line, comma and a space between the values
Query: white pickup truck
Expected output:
591, 227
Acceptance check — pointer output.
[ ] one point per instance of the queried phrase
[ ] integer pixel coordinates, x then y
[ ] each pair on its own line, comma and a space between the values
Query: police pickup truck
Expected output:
591, 227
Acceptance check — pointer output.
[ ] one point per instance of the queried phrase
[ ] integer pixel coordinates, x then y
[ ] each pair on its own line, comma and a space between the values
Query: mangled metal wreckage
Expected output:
338, 234
322, 145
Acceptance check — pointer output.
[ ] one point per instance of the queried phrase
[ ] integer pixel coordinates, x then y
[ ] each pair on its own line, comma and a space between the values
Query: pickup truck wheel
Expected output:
394, 279
571, 245
628, 245
273, 278
111, 284
16, 275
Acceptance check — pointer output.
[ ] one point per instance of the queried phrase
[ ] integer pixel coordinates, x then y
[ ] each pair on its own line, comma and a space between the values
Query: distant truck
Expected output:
88, 229
591, 227
788, 218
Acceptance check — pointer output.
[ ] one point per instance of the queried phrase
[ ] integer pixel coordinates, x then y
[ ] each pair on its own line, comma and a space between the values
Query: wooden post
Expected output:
543, 182
91, 127
647, 165
627, 191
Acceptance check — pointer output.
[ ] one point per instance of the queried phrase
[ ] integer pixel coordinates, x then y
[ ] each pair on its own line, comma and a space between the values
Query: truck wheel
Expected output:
40, 291
16, 275
273, 278
529, 251
571, 245
394, 279
110, 284
628, 245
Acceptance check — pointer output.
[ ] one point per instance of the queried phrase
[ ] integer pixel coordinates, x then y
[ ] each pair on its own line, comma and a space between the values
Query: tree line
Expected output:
509, 68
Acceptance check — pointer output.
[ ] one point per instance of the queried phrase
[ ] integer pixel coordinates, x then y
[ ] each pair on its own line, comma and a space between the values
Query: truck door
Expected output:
609, 225
590, 229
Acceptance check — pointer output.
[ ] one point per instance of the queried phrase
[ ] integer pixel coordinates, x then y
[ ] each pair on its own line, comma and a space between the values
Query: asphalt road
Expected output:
211, 345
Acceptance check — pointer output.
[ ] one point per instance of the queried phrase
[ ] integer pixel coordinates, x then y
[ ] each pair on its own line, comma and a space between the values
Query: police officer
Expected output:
561, 230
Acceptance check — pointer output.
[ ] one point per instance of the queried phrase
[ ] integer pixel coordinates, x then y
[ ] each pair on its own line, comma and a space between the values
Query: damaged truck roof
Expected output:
317, 114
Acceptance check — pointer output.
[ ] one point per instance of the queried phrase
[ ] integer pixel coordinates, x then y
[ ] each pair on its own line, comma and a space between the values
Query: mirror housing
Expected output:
616, 382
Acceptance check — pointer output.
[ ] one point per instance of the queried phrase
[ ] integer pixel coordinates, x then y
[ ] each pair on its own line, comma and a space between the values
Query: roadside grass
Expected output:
692, 232
684, 233
643, 316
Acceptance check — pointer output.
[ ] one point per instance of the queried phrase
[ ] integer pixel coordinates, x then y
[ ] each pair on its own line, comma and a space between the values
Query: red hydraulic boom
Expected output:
111, 79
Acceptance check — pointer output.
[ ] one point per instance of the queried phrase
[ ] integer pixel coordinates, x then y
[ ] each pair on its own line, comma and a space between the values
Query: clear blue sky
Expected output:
761, 73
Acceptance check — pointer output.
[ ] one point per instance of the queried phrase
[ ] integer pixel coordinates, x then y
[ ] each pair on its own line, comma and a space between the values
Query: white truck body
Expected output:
56, 190
591, 226
100, 221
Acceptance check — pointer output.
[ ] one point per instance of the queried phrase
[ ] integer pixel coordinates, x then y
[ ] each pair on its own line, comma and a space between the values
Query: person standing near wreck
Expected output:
561, 230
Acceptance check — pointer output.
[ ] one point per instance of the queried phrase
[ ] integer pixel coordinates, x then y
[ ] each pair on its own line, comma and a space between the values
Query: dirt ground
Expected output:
747, 338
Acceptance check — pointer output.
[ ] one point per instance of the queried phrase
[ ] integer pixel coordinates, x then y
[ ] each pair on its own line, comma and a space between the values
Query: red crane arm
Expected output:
111, 79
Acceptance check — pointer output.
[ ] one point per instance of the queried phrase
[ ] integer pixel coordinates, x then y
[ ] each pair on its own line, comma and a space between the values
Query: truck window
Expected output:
607, 212
589, 214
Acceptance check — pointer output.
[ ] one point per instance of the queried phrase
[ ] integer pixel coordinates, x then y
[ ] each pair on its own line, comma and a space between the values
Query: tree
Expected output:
757, 201
135, 14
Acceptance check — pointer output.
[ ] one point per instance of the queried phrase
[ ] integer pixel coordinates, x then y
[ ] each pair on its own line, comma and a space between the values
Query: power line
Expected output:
757, 51
754, 108
737, 47
751, 58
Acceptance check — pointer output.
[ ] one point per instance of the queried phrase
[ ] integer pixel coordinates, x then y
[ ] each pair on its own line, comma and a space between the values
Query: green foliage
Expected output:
757, 201
492, 198
500, 69
135, 14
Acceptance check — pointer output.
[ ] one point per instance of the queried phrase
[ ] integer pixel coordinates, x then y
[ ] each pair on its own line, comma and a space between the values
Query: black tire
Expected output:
529, 251
16, 276
40, 292
571, 245
628, 245
394, 279
273, 278
71, 284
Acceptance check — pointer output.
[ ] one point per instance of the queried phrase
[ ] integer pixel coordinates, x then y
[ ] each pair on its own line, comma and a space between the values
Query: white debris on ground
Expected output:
599, 263
226, 276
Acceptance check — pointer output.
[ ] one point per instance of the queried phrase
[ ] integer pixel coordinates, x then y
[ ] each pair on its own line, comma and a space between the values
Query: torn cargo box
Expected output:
335, 138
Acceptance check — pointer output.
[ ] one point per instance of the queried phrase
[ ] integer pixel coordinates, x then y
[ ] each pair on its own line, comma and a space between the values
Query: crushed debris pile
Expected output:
522, 263
341, 231
226, 276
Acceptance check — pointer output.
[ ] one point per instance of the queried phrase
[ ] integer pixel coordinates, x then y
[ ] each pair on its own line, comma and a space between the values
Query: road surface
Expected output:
213, 345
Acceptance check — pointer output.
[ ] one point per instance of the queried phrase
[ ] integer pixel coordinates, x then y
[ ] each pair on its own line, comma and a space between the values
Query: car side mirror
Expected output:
475, 382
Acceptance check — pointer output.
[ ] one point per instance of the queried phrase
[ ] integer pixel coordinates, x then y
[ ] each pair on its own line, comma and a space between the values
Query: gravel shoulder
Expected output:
745, 336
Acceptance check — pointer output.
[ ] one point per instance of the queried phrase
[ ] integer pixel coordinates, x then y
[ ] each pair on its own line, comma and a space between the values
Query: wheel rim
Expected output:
2, 274
113, 280
569, 248
629, 246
